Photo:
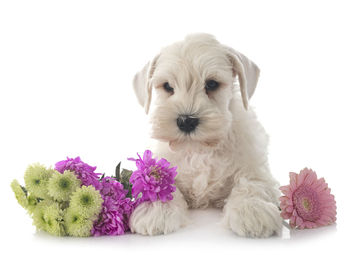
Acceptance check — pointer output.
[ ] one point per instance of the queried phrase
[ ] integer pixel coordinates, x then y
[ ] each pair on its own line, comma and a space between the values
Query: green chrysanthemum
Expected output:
53, 217
87, 200
32, 202
61, 186
48, 216
36, 178
76, 224
20, 193
39, 215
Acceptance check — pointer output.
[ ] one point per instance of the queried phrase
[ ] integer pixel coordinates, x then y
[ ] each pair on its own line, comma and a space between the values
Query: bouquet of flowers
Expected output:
73, 200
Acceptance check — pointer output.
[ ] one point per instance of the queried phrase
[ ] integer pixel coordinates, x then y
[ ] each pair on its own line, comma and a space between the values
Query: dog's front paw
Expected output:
253, 218
154, 218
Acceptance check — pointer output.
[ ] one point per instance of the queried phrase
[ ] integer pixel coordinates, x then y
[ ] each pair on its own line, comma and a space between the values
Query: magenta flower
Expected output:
307, 201
154, 179
115, 190
111, 220
116, 209
83, 171
112, 188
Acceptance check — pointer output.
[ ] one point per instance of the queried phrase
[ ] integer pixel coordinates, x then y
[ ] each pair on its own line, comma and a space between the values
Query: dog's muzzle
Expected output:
187, 123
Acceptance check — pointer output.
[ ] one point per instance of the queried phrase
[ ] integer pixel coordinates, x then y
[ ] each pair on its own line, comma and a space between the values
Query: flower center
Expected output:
155, 172
31, 201
307, 203
37, 182
63, 183
85, 200
75, 219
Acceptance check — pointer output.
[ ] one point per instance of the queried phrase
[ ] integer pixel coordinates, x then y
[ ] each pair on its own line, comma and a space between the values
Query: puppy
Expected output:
201, 122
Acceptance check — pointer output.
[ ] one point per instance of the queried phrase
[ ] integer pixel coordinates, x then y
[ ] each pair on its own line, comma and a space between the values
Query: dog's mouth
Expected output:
177, 145
203, 138
189, 143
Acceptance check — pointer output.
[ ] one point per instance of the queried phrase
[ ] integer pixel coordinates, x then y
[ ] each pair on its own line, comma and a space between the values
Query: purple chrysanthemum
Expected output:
116, 209
112, 188
83, 171
111, 220
154, 179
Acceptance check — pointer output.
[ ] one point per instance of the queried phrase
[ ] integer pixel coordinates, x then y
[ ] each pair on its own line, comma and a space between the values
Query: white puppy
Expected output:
202, 124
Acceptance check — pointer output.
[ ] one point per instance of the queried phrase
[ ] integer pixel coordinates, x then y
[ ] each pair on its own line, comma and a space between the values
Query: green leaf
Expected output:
24, 190
117, 172
129, 193
125, 176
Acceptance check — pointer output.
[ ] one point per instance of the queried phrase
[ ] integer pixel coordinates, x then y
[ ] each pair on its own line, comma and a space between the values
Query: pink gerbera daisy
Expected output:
307, 201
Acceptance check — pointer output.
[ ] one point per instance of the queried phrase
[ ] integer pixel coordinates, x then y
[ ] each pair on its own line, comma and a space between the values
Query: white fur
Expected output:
224, 162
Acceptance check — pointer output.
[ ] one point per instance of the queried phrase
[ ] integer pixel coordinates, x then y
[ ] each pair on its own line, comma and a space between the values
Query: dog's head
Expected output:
193, 85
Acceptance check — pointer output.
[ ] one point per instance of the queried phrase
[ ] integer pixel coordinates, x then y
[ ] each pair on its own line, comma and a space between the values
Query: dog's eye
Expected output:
167, 88
211, 85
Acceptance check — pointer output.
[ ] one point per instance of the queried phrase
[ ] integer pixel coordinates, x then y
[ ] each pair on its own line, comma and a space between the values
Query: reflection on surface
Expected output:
204, 229
307, 234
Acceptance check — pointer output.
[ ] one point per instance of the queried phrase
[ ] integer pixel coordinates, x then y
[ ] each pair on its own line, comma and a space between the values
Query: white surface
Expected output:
65, 90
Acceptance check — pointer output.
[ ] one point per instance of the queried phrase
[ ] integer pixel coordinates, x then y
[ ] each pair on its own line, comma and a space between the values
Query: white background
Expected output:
65, 74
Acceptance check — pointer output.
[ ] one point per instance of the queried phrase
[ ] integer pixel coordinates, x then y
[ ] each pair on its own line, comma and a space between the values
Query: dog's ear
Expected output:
248, 74
142, 84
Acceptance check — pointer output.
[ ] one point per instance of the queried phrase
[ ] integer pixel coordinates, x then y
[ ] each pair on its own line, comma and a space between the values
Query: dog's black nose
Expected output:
187, 123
